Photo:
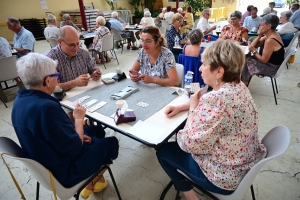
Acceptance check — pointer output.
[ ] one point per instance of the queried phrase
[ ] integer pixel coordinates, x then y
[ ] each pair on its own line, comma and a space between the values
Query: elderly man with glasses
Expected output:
203, 23
74, 63
295, 19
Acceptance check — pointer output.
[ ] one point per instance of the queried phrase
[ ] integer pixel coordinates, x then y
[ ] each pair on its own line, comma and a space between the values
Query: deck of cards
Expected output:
142, 104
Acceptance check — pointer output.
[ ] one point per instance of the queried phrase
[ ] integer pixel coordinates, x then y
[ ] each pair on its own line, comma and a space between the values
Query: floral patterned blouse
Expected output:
222, 137
163, 64
99, 34
228, 33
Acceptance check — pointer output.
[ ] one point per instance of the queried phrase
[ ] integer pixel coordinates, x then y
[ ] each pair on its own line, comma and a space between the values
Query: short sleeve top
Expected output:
163, 64
236, 35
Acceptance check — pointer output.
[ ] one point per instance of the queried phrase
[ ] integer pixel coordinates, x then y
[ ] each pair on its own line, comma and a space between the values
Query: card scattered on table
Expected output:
97, 106
91, 102
142, 104
80, 100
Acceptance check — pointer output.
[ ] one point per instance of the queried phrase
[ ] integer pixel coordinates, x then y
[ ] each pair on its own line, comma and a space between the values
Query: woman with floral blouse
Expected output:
219, 143
234, 31
155, 61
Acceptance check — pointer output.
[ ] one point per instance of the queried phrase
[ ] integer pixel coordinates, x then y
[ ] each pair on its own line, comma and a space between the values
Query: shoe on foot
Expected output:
134, 48
128, 46
99, 186
85, 193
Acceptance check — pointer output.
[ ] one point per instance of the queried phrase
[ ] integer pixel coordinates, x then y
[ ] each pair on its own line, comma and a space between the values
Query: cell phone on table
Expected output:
133, 72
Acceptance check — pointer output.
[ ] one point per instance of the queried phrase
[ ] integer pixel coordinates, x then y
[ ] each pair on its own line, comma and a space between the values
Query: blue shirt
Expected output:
24, 39
116, 24
171, 34
251, 23
295, 19
47, 136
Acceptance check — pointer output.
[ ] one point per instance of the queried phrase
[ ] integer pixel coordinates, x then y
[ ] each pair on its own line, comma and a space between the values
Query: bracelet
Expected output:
190, 112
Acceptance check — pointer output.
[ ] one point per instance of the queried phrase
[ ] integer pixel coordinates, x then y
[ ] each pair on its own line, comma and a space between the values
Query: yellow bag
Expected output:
291, 59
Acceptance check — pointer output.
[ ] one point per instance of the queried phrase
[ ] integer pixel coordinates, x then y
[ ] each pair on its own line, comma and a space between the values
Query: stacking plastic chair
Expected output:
53, 42
10, 150
118, 37
163, 30
292, 41
180, 70
108, 45
8, 70
214, 13
164, 23
221, 13
196, 23
287, 55
276, 141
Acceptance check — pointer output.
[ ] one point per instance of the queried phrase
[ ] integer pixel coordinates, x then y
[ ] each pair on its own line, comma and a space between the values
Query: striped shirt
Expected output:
70, 69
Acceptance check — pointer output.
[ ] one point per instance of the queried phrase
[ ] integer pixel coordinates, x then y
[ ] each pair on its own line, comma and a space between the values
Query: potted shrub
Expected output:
198, 5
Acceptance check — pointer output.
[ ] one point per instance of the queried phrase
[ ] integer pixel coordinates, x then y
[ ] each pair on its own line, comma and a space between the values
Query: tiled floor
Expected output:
137, 172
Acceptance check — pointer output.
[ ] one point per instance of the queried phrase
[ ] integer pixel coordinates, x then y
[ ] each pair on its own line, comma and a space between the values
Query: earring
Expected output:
217, 82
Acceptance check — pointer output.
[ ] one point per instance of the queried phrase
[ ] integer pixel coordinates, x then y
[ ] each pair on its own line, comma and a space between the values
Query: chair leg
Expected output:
276, 85
178, 190
164, 192
273, 90
37, 190
116, 56
287, 66
114, 182
252, 192
3, 102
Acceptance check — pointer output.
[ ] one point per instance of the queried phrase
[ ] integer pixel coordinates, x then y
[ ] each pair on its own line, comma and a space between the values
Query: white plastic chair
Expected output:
118, 37
163, 30
292, 41
276, 141
10, 150
53, 42
180, 72
196, 23
108, 45
287, 55
164, 23
8, 70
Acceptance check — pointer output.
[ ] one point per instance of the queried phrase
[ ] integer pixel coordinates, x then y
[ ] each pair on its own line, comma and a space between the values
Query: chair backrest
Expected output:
287, 55
276, 141
8, 68
292, 41
169, 20
53, 42
117, 35
180, 72
196, 23
38, 171
163, 30
164, 23
107, 43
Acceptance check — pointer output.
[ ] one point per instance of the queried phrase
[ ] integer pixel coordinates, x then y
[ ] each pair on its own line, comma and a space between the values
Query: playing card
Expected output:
97, 106
142, 104
80, 100
91, 102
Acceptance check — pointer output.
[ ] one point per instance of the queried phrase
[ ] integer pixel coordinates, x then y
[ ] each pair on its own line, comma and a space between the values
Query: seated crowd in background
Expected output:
66, 20
286, 30
155, 61
252, 22
189, 21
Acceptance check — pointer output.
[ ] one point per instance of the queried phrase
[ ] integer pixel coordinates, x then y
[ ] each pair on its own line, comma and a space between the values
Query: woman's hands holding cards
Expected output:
134, 75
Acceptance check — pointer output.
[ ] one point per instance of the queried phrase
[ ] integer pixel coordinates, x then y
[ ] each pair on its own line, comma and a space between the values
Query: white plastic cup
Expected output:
120, 103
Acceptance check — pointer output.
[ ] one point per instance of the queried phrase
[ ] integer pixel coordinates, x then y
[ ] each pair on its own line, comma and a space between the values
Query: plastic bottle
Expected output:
188, 79
130, 49
176, 41
209, 38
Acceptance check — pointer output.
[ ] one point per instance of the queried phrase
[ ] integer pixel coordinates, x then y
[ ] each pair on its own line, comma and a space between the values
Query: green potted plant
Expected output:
137, 14
198, 5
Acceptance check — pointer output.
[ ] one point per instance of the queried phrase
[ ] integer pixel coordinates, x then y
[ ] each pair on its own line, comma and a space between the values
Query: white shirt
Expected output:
168, 14
203, 25
286, 28
148, 21
51, 31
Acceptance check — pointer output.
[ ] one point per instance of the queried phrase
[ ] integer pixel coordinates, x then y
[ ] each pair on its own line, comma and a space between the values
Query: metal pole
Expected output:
82, 13
177, 4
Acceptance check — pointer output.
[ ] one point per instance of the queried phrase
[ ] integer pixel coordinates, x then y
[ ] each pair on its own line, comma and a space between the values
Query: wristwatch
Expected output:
190, 112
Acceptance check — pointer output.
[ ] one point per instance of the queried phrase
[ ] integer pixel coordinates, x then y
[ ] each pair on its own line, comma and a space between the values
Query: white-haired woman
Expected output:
72, 153
67, 21
146, 21
214, 149
286, 30
100, 32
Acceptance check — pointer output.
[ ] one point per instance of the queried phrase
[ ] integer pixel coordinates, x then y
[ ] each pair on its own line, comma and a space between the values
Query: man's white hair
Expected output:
147, 14
179, 9
114, 14
33, 68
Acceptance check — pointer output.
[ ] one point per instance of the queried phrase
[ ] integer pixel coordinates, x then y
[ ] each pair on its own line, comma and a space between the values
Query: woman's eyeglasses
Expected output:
233, 19
57, 74
147, 41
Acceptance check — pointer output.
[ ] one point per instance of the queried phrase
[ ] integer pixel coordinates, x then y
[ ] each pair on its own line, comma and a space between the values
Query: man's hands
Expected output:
82, 80
79, 112
96, 75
